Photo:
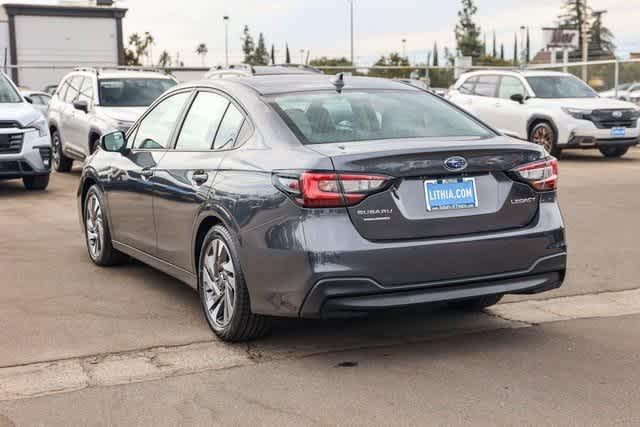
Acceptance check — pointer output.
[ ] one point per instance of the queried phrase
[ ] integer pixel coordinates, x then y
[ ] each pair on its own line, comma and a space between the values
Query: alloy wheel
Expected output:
57, 155
219, 282
94, 226
543, 135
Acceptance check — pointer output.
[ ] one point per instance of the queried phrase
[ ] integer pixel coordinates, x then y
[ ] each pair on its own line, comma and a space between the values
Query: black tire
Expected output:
477, 304
613, 152
243, 324
544, 134
107, 256
36, 182
61, 163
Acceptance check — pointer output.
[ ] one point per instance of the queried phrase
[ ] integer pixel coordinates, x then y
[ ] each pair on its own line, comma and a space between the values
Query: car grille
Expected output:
607, 119
11, 143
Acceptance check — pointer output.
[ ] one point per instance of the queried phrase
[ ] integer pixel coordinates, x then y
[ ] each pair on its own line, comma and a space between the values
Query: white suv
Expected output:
556, 110
90, 103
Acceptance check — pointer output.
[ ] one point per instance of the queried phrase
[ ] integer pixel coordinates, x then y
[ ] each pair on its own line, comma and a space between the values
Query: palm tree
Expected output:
202, 51
165, 59
148, 42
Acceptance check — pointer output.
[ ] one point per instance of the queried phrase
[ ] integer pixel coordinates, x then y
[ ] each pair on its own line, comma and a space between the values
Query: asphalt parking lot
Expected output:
56, 305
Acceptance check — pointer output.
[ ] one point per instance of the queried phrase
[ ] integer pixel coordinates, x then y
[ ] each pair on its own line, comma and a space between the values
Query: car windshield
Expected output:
368, 115
134, 92
8, 93
560, 87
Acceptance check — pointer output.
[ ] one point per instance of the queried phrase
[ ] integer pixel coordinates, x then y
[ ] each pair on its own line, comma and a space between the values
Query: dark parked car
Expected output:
303, 196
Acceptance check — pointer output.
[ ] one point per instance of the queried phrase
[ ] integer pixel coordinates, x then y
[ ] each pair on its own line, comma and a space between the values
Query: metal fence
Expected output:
602, 75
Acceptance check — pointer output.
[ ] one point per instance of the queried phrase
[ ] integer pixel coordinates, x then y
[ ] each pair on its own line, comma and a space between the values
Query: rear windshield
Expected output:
368, 115
134, 92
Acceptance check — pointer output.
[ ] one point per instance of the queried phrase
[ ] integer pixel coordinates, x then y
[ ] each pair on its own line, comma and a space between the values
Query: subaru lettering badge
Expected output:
455, 164
617, 114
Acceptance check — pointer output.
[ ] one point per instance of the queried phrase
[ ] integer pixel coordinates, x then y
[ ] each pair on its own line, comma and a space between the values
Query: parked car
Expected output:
303, 196
624, 91
40, 100
553, 109
25, 146
246, 70
50, 89
90, 103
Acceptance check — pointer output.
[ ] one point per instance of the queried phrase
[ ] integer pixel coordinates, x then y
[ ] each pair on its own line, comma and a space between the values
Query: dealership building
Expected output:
41, 43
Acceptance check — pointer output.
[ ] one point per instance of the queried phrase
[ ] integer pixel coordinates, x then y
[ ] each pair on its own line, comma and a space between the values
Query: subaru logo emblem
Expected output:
617, 114
455, 164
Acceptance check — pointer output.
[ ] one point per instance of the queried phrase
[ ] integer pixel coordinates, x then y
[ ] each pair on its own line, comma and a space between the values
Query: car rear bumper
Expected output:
298, 259
346, 296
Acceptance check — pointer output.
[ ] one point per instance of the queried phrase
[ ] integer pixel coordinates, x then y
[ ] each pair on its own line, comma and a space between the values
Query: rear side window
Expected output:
486, 86
467, 86
368, 115
229, 128
199, 129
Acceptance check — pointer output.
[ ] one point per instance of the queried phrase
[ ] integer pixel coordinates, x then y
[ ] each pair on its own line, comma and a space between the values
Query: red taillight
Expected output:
541, 175
326, 189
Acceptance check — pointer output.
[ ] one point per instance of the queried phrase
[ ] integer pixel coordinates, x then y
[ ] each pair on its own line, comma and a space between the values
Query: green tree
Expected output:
502, 51
601, 42
528, 47
393, 60
260, 55
435, 54
572, 18
495, 49
202, 51
164, 60
273, 55
140, 46
330, 62
287, 59
467, 32
248, 45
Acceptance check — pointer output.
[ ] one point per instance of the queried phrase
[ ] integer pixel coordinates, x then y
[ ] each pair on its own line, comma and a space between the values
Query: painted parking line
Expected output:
45, 378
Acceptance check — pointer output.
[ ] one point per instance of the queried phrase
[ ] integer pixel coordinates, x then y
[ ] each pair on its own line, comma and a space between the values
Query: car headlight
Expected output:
40, 125
578, 113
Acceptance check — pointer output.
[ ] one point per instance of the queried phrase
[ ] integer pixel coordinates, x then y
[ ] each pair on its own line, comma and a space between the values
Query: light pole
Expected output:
585, 39
226, 40
353, 64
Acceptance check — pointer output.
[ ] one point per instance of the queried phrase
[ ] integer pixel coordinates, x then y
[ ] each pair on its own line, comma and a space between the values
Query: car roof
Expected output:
523, 73
276, 84
122, 74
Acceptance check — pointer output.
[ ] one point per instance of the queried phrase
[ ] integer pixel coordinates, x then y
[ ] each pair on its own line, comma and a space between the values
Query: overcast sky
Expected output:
323, 25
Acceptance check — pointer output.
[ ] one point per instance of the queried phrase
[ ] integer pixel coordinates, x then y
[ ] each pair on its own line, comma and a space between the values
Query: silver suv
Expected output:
90, 103
25, 146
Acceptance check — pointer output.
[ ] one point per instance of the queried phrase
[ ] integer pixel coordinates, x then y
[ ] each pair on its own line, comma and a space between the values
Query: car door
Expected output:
511, 116
78, 124
129, 187
185, 175
484, 98
67, 115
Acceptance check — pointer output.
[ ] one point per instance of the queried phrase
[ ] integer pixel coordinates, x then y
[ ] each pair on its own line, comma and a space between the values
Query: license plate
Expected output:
618, 132
457, 193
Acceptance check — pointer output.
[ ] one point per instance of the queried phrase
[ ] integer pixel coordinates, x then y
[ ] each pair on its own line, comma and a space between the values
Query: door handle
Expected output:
146, 173
200, 177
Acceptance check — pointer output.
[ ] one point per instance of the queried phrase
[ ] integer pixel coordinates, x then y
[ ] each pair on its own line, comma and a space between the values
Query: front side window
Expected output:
73, 89
486, 86
560, 87
8, 93
199, 129
134, 92
154, 131
86, 91
510, 86
368, 115
467, 87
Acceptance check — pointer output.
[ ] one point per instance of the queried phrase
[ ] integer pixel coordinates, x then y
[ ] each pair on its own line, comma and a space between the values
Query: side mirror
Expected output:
81, 105
517, 97
114, 142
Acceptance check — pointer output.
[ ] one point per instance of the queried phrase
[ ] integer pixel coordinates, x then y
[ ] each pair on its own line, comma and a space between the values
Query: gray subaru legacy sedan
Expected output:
312, 196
